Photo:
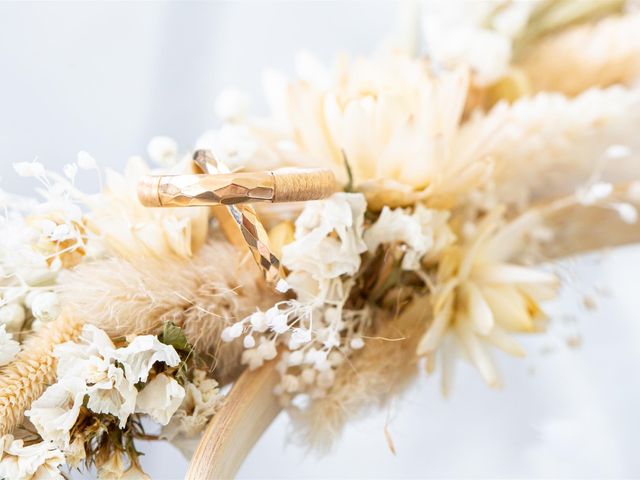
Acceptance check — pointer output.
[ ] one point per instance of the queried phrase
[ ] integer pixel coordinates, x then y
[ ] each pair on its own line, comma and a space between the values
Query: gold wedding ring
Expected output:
285, 185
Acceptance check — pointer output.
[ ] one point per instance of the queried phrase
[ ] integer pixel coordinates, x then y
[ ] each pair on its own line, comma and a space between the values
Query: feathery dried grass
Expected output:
24, 380
550, 144
379, 371
215, 288
592, 55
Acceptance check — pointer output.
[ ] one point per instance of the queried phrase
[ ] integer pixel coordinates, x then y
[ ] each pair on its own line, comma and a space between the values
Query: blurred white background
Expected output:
107, 76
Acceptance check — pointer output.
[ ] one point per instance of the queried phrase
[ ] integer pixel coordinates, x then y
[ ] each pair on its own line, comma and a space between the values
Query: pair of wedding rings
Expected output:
236, 191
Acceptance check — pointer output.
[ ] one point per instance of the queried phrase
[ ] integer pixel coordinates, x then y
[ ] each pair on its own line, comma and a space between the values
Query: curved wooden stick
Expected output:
249, 409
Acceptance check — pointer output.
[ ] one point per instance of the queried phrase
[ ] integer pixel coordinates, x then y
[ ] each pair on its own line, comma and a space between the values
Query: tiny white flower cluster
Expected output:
104, 378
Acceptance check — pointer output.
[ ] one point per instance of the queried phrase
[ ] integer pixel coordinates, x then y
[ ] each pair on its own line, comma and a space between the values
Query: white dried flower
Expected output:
163, 151
110, 374
138, 357
328, 237
201, 402
160, 398
423, 231
9, 348
113, 393
40, 461
46, 306
56, 411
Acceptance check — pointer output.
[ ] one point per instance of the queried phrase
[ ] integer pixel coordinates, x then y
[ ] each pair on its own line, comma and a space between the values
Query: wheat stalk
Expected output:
24, 380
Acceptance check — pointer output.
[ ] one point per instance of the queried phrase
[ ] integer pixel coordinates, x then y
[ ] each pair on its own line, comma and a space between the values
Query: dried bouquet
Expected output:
461, 175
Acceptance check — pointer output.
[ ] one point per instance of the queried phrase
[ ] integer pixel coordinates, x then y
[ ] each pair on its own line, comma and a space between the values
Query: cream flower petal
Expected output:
160, 398
477, 309
115, 395
436, 329
139, 356
40, 461
501, 339
509, 308
477, 354
509, 273
56, 411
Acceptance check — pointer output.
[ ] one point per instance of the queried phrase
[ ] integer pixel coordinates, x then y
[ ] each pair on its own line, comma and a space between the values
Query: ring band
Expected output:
286, 185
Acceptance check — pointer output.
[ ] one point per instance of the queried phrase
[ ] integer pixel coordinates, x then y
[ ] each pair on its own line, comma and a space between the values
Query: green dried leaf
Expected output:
174, 336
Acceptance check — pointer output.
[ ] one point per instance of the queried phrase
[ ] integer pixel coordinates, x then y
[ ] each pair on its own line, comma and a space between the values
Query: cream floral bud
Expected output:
356, 343
249, 342
46, 307
258, 321
12, 316
163, 151
232, 332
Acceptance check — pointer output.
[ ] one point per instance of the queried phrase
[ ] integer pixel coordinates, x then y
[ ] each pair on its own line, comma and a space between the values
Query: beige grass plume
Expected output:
591, 55
24, 380
218, 286
550, 144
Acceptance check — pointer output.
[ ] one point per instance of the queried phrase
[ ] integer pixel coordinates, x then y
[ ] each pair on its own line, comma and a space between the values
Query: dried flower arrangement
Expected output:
459, 173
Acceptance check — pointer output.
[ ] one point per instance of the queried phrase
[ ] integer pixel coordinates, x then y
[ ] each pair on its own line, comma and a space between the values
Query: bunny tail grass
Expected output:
24, 380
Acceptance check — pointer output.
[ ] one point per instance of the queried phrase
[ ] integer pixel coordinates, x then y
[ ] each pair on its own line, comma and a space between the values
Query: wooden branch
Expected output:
249, 409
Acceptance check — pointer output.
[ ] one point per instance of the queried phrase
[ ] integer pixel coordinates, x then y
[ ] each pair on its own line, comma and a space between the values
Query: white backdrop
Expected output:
105, 77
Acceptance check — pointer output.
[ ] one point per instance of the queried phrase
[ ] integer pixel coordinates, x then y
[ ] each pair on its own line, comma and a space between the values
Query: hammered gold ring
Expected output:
285, 185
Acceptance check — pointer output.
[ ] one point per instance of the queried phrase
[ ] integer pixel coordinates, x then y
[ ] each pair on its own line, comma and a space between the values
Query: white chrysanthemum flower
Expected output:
9, 348
132, 230
56, 411
160, 398
40, 461
480, 299
393, 121
328, 237
424, 231
138, 357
